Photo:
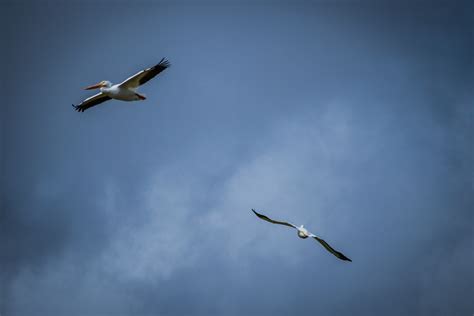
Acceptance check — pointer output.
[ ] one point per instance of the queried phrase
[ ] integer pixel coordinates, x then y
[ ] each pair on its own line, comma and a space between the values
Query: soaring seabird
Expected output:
304, 233
125, 91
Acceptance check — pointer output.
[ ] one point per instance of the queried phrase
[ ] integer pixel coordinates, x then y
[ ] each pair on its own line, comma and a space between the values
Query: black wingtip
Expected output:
260, 215
342, 257
164, 62
78, 108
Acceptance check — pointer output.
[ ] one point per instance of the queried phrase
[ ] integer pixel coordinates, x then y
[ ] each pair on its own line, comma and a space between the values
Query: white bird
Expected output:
125, 91
303, 233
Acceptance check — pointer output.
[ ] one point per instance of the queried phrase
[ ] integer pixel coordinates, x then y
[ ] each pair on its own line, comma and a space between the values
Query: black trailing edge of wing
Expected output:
332, 250
155, 70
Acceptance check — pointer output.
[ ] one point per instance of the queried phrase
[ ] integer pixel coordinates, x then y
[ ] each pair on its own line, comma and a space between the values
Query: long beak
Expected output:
96, 86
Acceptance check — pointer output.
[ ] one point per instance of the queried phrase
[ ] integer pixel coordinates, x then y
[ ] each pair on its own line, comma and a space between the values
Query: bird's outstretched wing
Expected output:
145, 75
91, 101
265, 218
330, 249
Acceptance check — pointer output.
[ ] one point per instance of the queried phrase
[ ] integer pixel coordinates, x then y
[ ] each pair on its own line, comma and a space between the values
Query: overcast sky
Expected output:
353, 119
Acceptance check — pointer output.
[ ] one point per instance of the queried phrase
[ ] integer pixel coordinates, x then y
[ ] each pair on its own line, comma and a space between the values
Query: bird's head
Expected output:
102, 84
302, 230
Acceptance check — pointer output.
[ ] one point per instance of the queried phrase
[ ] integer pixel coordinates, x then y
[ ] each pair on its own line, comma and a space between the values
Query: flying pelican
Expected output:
303, 233
125, 91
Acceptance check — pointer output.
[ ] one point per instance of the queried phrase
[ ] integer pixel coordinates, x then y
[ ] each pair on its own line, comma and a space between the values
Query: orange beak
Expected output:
96, 86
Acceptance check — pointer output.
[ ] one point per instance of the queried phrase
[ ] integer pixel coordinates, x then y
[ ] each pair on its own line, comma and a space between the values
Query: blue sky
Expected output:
353, 118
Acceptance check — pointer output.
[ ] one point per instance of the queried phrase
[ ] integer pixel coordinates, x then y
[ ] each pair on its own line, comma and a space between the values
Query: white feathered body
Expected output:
302, 232
120, 93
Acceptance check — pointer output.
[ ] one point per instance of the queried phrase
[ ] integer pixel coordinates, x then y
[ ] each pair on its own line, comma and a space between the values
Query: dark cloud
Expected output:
353, 119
